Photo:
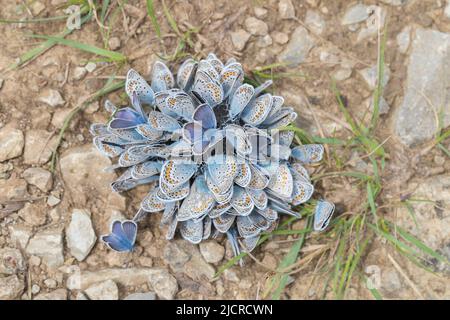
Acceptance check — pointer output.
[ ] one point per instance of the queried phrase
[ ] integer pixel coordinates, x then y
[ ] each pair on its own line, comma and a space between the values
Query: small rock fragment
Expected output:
33, 214
239, 39
11, 143
10, 287
298, 47
90, 67
103, 291
114, 43
211, 251
370, 76
141, 296
355, 14
342, 74
48, 245
260, 12
80, 234
20, 234
39, 177
164, 284
286, 9
315, 21
280, 37
52, 98
256, 27
79, 73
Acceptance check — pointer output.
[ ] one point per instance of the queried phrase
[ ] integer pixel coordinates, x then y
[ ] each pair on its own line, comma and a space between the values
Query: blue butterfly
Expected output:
122, 236
202, 132
322, 215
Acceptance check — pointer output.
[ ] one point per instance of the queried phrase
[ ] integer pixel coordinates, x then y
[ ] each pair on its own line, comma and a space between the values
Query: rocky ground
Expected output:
50, 223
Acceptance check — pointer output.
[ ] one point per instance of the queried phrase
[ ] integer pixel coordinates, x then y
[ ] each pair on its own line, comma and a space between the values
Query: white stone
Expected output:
79, 73
286, 9
211, 251
315, 21
355, 14
239, 39
256, 27
114, 43
11, 143
447, 9
426, 88
141, 296
10, 287
124, 277
80, 234
370, 76
103, 291
20, 234
90, 67
39, 177
164, 284
298, 47
51, 97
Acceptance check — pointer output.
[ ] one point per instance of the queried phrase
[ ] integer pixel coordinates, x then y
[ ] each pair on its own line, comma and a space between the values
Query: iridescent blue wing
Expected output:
179, 104
186, 74
126, 118
148, 132
210, 91
198, 203
130, 230
308, 153
268, 213
192, 132
135, 83
205, 116
257, 110
243, 175
162, 78
241, 201
162, 122
251, 225
223, 222
259, 198
207, 226
118, 239
98, 129
322, 215
231, 78
146, 169
177, 171
192, 231
302, 192
169, 194
250, 243
258, 180
151, 203
222, 169
240, 99
110, 145
263, 87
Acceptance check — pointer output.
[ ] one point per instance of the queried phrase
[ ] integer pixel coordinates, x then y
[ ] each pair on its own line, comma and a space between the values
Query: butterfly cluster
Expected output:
213, 150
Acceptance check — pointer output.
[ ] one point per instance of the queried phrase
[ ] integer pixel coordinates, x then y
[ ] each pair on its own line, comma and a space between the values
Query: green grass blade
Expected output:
171, 20
111, 55
380, 78
152, 16
41, 48
287, 261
